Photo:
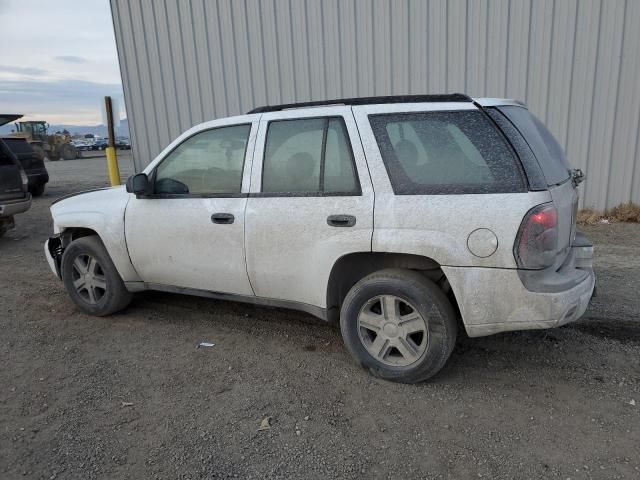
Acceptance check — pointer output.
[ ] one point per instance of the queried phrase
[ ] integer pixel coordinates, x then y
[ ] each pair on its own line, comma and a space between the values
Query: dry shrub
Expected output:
588, 217
626, 212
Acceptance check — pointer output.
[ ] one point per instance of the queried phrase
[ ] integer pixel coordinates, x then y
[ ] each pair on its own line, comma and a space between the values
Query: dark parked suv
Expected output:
14, 193
32, 162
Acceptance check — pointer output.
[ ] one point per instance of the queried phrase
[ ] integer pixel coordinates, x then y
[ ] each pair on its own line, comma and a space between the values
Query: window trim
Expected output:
152, 173
450, 188
357, 192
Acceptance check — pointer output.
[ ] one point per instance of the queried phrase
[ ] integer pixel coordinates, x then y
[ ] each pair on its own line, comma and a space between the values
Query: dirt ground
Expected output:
130, 396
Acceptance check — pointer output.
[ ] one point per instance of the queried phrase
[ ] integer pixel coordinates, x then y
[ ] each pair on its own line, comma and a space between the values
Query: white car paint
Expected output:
173, 242
290, 247
282, 248
103, 212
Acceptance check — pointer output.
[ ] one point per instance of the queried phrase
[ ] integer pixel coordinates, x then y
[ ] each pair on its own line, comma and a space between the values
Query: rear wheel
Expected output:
37, 190
398, 325
91, 278
39, 150
68, 152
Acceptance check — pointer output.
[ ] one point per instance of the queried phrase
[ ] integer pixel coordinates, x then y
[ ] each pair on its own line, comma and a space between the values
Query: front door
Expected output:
311, 202
190, 231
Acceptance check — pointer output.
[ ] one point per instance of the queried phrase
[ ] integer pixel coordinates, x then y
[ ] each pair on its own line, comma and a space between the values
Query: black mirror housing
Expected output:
139, 184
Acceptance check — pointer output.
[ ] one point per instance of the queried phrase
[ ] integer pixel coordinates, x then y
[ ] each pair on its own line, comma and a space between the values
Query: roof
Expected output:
450, 97
8, 117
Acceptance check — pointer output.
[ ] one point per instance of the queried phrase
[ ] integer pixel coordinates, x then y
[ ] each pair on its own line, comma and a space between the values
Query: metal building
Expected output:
576, 63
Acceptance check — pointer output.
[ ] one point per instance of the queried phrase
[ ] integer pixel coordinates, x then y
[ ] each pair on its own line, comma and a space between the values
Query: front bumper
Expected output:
53, 253
13, 207
494, 300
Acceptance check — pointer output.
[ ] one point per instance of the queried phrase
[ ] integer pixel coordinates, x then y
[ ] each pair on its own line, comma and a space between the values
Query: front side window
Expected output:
210, 162
308, 156
445, 153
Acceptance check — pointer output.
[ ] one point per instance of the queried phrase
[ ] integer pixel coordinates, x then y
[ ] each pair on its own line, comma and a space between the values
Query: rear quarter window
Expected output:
545, 147
452, 152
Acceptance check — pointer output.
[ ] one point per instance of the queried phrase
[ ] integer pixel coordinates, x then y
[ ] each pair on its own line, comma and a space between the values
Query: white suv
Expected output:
401, 217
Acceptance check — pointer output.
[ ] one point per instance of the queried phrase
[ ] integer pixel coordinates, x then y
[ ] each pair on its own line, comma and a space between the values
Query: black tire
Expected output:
68, 151
421, 295
110, 299
39, 150
37, 190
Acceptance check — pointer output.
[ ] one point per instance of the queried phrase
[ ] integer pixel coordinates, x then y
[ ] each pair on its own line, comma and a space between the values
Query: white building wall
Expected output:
576, 63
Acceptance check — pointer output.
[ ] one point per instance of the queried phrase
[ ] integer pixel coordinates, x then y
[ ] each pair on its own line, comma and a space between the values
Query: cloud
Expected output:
32, 71
68, 99
71, 59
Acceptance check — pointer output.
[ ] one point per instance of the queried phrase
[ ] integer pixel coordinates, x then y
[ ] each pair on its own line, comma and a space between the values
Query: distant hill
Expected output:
100, 130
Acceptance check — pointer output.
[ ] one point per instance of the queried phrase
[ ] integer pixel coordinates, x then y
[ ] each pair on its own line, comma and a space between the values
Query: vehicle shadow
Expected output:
474, 360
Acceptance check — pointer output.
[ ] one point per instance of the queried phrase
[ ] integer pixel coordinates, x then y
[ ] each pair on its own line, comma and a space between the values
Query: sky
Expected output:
58, 60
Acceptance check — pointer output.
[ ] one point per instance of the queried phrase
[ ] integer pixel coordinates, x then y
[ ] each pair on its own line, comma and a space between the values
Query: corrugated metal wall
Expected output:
576, 63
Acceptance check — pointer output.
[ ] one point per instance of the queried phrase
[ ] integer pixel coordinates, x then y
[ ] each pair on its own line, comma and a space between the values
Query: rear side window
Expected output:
308, 156
445, 153
545, 147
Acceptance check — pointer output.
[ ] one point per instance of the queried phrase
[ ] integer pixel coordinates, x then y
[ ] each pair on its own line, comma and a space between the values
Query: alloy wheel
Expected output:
392, 330
88, 279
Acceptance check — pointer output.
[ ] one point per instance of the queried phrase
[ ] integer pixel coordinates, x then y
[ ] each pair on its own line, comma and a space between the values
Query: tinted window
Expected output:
19, 145
545, 147
5, 159
210, 162
445, 153
308, 156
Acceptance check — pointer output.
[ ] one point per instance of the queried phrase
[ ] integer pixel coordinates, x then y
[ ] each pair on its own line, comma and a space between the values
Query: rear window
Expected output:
18, 145
5, 159
545, 147
445, 153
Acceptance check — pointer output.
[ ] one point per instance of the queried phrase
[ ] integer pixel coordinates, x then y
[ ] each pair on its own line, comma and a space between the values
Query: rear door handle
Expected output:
222, 218
341, 220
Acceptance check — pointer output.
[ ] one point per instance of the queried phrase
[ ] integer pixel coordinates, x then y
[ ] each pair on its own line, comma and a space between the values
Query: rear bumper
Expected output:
37, 178
13, 207
493, 300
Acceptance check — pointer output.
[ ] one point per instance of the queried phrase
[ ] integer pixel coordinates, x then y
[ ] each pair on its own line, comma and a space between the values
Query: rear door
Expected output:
310, 202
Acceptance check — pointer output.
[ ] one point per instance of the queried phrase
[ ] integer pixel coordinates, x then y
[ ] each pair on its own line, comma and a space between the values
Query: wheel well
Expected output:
73, 233
349, 269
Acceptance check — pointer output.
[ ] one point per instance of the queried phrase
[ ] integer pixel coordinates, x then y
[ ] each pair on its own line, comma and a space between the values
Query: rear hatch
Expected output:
556, 170
13, 183
8, 117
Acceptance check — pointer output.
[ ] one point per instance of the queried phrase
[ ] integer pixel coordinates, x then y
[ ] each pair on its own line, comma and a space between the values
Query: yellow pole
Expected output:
112, 166
112, 157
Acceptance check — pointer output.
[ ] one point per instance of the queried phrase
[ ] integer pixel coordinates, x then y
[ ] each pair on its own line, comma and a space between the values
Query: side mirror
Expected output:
139, 184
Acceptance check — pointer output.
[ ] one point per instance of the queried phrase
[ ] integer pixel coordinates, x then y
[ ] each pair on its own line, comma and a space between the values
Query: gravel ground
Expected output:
130, 396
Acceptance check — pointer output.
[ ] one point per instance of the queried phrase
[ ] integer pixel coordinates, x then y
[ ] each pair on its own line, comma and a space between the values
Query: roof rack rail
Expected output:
450, 97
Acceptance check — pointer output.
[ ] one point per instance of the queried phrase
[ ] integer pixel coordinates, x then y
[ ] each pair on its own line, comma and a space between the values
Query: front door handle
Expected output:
222, 218
341, 220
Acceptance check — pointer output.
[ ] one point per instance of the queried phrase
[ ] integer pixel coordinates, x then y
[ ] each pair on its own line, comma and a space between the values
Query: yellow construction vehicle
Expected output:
54, 146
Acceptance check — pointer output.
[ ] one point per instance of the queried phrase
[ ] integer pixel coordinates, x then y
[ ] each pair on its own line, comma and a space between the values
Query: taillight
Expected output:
25, 180
537, 241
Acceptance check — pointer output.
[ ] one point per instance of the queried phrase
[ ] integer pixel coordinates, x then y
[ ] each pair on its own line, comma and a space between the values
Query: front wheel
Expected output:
398, 325
91, 278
